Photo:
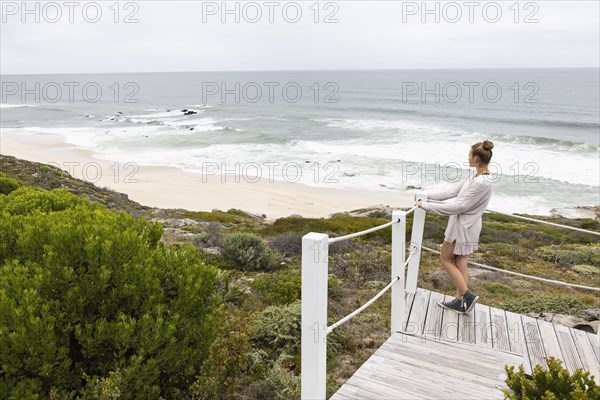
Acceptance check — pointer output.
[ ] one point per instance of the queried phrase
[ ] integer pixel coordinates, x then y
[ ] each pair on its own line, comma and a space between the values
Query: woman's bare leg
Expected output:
462, 262
447, 260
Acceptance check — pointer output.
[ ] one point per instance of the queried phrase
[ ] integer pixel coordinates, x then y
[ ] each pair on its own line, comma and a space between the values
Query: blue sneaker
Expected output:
468, 301
454, 304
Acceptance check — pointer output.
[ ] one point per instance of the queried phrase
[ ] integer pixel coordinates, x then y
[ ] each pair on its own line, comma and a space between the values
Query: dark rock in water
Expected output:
192, 128
120, 113
184, 110
306, 162
190, 112
168, 110
112, 119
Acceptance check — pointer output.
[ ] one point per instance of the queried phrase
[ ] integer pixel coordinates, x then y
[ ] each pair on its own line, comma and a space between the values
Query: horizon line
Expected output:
300, 70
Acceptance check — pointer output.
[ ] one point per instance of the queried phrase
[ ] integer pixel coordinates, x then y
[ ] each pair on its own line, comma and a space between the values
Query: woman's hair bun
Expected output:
488, 145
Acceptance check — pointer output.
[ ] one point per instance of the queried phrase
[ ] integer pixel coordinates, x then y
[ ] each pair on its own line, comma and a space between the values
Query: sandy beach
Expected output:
169, 187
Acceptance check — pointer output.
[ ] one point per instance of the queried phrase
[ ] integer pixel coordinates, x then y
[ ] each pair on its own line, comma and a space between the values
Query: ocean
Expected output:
381, 130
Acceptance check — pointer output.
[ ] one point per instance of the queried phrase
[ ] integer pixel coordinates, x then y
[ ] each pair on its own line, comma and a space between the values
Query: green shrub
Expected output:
339, 225
555, 383
359, 267
93, 306
281, 287
8, 185
215, 216
586, 269
335, 287
249, 252
278, 383
520, 283
278, 328
288, 244
26, 199
497, 288
379, 214
550, 303
228, 359
201, 239
375, 285
568, 254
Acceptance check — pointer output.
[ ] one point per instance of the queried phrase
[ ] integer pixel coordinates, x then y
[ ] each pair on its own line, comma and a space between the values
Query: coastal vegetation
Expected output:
103, 298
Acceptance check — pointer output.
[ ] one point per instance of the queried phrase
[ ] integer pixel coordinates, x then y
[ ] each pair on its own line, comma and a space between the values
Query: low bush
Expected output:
278, 382
569, 254
550, 303
288, 244
340, 225
278, 329
26, 199
277, 288
497, 288
248, 252
586, 269
228, 359
92, 305
555, 383
8, 184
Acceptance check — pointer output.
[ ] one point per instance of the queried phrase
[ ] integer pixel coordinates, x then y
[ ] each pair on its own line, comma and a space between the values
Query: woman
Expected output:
471, 197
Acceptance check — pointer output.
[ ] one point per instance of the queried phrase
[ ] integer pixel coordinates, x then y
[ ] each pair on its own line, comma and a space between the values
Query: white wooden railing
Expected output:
315, 261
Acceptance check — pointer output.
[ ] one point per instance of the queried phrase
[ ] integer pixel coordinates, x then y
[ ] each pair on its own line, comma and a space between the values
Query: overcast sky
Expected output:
190, 36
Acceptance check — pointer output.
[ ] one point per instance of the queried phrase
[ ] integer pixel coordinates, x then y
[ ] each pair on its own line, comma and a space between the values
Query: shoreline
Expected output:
171, 187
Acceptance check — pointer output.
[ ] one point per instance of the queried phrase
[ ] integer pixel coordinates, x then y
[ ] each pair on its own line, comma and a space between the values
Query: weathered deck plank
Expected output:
483, 326
499, 329
446, 355
418, 312
534, 342
449, 322
409, 297
516, 335
585, 350
433, 322
571, 357
549, 340
466, 327
414, 367
595, 345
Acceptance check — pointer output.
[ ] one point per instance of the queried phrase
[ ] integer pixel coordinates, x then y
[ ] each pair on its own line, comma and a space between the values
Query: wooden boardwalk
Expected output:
446, 355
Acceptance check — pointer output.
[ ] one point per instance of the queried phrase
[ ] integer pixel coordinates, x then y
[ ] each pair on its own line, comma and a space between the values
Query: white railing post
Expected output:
315, 258
416, 241
398, 259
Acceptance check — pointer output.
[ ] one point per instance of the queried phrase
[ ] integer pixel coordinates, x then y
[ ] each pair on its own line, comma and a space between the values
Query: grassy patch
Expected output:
497, 288
216, 216
550, 303
341, 225
586, 269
